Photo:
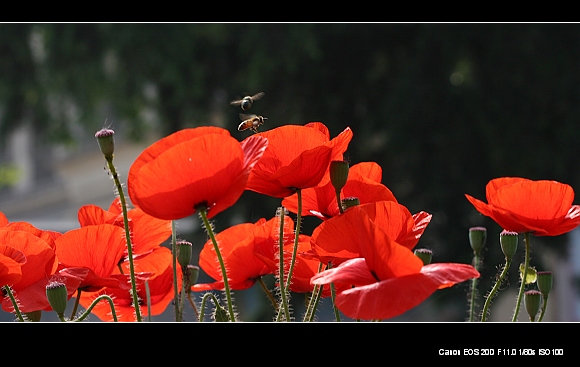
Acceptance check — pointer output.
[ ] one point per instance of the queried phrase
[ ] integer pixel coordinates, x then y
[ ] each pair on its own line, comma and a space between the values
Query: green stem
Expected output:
192, 305
333, 296
495, 288
314, 299
296, 238
148, 295
473, 288
203, 301
182, 296
203, 214
174, 262
283, 288
340, 208
127, 237
524, 276
8, 291
76, 305
97, 300
544, 304
268, 293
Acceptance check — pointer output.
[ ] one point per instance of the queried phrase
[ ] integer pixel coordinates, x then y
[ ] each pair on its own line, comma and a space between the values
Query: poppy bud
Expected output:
338, 174
425, 255
34, 316
350, 202
184, 250
106, 142
477, 237
532, 300
220, 314
57, 296
191, 275
509, 243
544, 280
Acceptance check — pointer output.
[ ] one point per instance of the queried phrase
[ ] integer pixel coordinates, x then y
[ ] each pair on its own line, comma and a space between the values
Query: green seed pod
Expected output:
509, 243
424, 254
477, 238
350, 202
532, 300
106, 142
545, 280
338, 174
57, 296
184, 251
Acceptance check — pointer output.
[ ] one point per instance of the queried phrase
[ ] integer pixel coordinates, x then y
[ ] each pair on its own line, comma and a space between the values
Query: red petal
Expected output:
393, 297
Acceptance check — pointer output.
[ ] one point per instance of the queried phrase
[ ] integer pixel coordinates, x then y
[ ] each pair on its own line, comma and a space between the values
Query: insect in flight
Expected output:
246, 102
251, 122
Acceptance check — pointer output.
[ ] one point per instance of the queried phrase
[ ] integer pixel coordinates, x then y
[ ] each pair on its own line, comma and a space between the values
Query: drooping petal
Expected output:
393, 297
33, 297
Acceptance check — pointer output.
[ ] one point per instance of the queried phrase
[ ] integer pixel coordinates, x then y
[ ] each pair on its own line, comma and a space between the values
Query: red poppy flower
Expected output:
155, 268
520, 205
98, 248
364, 183
147, 232
38, 271
11, 261
297, 157
388, 279
198, 166
331, 239
373, 297
239, 247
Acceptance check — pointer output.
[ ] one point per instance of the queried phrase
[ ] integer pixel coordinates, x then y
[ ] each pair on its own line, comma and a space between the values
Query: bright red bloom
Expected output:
155, 268
99, 248
297, 157
364, 183
147, 232
388, 279
520, 205
239, 246
11, 261
383, 298
331, 240
199, 166
38, 271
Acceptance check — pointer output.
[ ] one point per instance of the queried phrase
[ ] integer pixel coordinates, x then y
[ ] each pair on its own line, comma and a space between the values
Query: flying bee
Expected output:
246, 102
251, 122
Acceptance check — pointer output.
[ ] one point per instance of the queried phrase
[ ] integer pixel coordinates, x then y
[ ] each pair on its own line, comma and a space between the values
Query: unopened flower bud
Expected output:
509, 243
57, 296
545, 279
191, 273
106, 142
532, 300
477, 238
34, 316
338, 174
184, 251
220, 314
350, 202
424, 254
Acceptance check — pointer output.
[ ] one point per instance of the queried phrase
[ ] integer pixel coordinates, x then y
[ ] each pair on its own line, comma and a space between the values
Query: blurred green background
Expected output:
443, 108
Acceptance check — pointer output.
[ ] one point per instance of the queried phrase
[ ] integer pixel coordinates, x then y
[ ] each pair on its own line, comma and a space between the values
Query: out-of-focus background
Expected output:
443, 108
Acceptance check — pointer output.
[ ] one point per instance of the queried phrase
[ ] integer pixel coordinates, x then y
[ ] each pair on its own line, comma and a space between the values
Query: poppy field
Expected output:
365, 256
